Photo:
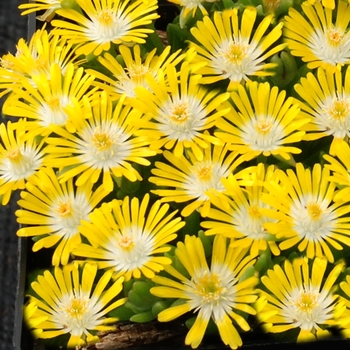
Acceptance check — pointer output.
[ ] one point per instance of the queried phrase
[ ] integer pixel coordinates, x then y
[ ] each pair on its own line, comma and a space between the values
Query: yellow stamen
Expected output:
306, 302
138, 71
335, 36
254, 212
340, 109
106, 18
263, 126
235, 53
102, 140
180, 113
77, 308
209, 287
65, 209
205, 173
126, 242
314, 211
15, 155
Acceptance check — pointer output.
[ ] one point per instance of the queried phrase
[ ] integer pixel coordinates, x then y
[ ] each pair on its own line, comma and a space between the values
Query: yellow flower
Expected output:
181, 110
230, 48
45, 103
106, 22
216, 292
102, 141
297, 298
20, 158
53, 212
327, 102
35, 58
261, 121
306, 213
340, 171
130, 237
69, 302
191, 181
318, 35
133, 70
242, 218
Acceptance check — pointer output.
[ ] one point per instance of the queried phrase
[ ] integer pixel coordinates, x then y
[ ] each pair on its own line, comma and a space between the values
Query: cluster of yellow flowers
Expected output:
206, 176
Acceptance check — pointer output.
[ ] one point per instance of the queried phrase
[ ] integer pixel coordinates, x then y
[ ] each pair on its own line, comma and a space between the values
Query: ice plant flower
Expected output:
76, 302
318, 35
306, 213
45, 103
242, 219
49, 6
20, 158
261, 121
106, 22
301, 295
35, 58
52, 212
132, 72
214, 292
232, 49
327, 103
181, 110
130, 236
103, 143
339, 166
191, 181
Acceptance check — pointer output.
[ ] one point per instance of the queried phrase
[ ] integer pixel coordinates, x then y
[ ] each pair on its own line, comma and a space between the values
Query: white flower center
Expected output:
108, 25
52, 111
131, 249
182, 118
334, 115
212, 291
249, 221
331, 46
307, 308
205, 176
104, 146
20, 163
312, 219
67, 212
263, 133
235, 59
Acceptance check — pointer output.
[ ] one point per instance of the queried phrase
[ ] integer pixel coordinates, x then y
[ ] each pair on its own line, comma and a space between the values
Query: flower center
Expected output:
340, 109
306, 302
64, 210
180, 113
126, 242
334, 36
54, 102
235, 53
263, 126
102, 140
77, 307
209, 287
138, 71
106, 18
314, 211
15, 155
254, 212
205, 173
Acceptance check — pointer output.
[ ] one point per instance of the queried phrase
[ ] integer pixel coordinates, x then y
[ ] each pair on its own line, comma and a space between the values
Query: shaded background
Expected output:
12, 28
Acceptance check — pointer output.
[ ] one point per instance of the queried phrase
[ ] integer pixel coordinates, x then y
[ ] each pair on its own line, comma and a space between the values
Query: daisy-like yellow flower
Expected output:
216, 292
35, 58
45, 103
230, 48
319, 36
340, 171
53, 212
49, 6
191, 181
132, 72
106, 22
20, 158
297, 298
327, 102
74, 301
130, 237
261, 121
181, 110
306, 213
243, 219
102, 142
